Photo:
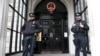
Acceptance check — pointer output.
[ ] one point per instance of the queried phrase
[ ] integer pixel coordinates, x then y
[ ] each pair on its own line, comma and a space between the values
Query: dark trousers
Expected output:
28, 45
80, 42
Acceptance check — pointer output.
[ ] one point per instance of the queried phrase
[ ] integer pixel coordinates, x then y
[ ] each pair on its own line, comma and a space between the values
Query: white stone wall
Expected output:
9, 25
70, 8
3, 24
94, 21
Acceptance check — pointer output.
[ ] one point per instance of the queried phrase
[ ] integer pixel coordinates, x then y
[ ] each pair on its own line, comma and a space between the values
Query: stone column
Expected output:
94, 24
3, 24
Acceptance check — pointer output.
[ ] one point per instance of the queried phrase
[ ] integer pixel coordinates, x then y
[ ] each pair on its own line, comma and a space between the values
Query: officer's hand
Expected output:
73, 25
81, 25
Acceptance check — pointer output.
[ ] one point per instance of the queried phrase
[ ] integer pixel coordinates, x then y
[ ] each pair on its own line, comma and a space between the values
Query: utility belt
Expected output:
79, 34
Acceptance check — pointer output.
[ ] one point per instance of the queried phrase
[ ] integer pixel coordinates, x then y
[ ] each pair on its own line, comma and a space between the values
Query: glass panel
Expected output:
25, 1
18, 40
21, 6
7, 41
9, 22
82, 5
23, 22
21, 42
13, 42
19, 26
9, 17
11, 2
24, 11
15, 21
17, 3
78, 7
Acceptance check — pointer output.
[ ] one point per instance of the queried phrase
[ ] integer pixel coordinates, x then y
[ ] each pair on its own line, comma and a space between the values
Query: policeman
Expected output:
79, 29
29, 28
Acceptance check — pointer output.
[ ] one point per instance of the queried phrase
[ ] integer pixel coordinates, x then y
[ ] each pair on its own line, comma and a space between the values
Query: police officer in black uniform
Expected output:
79, 29
29, 28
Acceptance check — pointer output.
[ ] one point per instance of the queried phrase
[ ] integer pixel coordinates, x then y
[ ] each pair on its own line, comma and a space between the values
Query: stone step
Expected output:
49, 55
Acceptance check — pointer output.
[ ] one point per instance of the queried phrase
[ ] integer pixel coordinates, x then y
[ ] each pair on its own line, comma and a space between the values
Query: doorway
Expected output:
55, 26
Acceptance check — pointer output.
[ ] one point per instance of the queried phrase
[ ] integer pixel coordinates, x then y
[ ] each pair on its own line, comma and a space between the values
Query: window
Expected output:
16, 18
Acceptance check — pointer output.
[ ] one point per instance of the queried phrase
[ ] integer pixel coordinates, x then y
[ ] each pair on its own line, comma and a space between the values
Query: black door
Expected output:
54, 26
51, 33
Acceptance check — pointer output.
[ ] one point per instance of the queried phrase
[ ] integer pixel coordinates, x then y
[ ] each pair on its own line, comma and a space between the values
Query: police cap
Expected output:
77, 14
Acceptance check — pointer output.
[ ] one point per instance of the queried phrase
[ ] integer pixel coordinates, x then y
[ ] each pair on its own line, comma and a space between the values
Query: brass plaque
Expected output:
39, 36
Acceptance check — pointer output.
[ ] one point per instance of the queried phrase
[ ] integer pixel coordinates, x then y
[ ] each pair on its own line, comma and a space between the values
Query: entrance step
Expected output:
50, 55
51, 52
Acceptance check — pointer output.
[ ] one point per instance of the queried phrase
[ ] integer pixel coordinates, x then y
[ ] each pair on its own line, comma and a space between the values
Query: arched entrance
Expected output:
55, 27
